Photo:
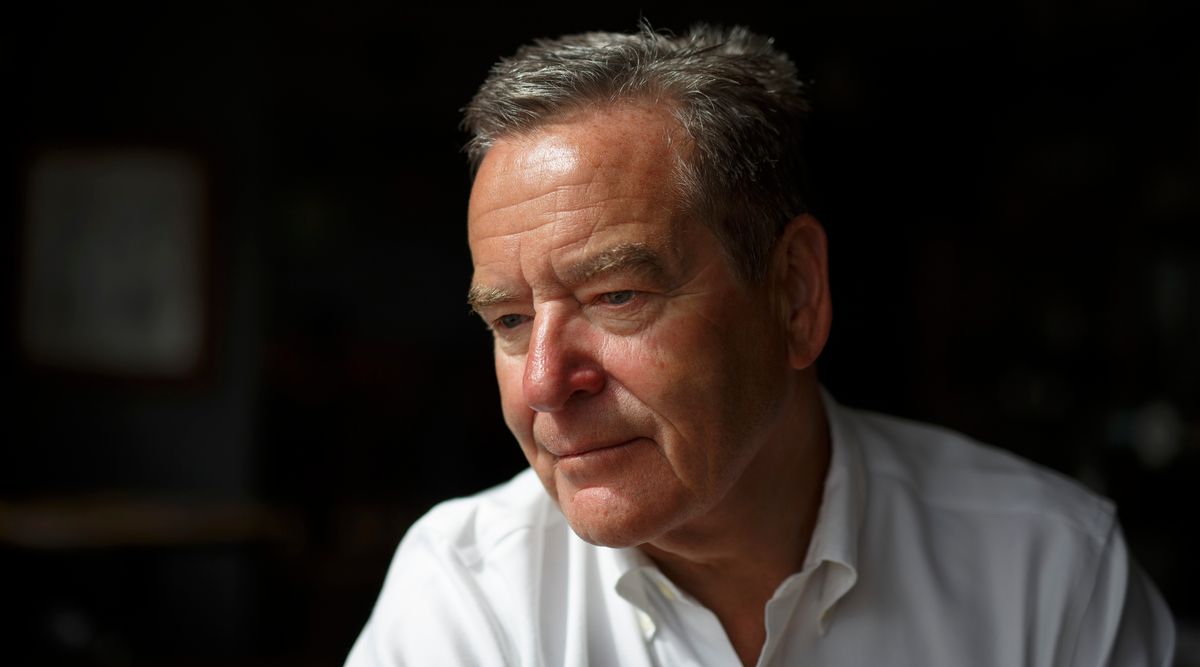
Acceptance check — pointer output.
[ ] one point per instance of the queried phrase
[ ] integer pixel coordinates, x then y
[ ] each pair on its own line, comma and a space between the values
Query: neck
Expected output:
734, 557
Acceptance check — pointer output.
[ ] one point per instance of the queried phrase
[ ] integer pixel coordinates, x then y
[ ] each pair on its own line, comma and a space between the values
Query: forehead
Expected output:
620, 160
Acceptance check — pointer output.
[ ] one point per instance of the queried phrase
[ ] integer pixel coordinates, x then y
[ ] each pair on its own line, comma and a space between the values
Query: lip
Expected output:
580, 451
586, 451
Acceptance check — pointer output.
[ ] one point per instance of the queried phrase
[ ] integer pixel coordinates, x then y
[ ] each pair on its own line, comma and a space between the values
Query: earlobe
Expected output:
805, 283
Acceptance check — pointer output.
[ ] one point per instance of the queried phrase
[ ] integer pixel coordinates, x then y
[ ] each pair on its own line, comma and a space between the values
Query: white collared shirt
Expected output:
928, 550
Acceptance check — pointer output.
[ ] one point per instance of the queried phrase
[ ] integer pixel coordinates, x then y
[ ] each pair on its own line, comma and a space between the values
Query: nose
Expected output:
560, 364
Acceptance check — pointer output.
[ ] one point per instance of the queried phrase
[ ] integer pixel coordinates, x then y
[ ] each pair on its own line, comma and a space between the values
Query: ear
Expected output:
804, 283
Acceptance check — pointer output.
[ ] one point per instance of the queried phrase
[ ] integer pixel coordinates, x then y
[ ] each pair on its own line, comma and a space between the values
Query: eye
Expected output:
510, 321
618, 298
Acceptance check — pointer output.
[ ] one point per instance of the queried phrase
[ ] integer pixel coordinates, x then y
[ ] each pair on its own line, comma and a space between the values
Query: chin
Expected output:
613, 537
605, 519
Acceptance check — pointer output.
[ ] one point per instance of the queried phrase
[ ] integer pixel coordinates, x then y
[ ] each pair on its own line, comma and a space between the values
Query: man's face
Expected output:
637, 372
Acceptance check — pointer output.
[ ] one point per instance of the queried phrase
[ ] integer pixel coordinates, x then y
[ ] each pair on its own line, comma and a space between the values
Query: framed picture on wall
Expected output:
114, 270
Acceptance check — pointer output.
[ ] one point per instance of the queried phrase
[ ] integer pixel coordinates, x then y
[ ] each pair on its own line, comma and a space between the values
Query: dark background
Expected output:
1010, 192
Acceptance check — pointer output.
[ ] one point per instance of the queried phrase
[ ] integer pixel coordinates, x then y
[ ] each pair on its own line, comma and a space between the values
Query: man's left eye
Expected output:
618, 298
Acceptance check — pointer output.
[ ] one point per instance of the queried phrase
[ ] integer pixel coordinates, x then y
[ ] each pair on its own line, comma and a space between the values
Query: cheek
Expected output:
671, 372
703, 380
669, 360
510, 373
509, 378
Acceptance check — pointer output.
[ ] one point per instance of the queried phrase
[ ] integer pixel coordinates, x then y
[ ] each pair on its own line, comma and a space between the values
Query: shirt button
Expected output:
647, 624
665, 590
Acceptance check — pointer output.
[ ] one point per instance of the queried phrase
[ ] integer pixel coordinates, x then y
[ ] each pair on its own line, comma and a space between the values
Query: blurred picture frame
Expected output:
115, 264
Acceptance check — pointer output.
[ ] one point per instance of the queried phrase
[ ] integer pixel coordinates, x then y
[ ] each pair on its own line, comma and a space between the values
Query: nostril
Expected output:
587, 381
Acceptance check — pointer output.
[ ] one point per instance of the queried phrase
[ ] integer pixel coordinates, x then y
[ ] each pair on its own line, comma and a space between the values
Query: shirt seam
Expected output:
490, 612
1091, 594
1100, 513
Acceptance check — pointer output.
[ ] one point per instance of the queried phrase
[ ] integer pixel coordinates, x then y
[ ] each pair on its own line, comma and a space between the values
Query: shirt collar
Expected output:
835, 536
623, 569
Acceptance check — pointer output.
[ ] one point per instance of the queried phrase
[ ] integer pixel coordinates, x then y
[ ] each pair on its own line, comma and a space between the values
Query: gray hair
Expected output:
735, 96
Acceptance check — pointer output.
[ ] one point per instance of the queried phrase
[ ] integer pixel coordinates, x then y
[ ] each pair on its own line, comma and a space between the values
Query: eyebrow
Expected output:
638, 257
481, 296
635, 257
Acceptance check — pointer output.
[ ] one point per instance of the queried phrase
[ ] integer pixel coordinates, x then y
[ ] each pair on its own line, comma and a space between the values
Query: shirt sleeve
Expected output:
430, 612
1126, 623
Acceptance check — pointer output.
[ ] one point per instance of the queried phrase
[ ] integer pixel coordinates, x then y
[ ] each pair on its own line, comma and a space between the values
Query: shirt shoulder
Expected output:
458, 589
476, 528
1005, 558
946, 471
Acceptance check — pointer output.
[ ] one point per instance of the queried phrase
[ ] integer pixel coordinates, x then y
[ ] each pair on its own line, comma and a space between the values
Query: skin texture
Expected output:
663, 402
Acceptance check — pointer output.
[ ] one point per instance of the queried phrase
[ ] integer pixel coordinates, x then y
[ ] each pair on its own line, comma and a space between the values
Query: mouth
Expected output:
591, 451
597, 464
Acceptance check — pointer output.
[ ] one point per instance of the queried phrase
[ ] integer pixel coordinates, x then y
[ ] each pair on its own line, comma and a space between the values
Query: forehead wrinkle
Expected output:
521, 223
581, 189
481, 295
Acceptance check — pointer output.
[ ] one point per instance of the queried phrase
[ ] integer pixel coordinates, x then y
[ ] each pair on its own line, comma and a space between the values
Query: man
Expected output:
658, 297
